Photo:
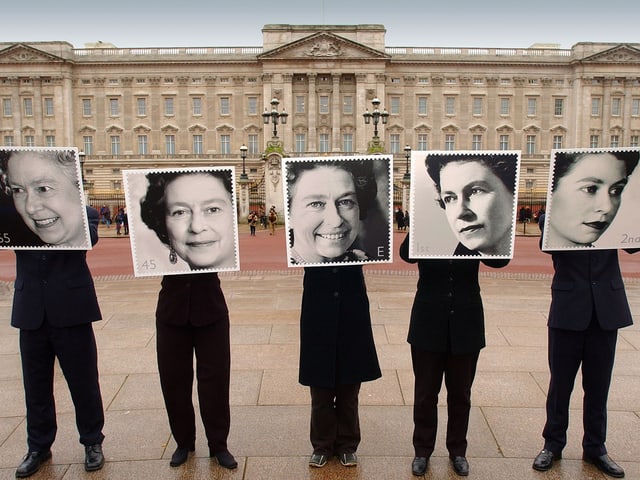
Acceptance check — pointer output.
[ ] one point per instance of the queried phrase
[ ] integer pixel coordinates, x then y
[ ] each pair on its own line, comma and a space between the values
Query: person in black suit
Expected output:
446, 334
192, 316
191, 213
337, 354
54, 305
588, 306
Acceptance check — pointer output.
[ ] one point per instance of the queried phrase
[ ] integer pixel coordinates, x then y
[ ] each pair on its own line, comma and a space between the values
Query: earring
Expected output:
173, 258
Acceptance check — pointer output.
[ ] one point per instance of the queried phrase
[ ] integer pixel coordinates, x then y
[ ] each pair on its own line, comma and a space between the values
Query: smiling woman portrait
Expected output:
45, 189
586, 193
328, 201
192, 213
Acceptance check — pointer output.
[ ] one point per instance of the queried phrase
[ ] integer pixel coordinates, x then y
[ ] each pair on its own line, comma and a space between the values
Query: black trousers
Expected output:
595, 349
175, 348
75, 348
335, 423
459, 372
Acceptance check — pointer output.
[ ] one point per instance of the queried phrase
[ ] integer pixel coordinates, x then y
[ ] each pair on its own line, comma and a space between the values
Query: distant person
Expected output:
400, 219
477, 195
252, 219
105, 215
541, 218
45, 191
120, 221
273, 220
586, 192
54, 306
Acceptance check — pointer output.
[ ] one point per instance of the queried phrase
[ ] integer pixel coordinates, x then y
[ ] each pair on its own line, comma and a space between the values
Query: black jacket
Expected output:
447, 313
56, 284
336, 339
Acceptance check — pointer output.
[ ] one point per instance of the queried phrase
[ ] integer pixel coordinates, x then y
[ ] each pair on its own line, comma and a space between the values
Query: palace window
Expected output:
198, 146
141, 104
143, 145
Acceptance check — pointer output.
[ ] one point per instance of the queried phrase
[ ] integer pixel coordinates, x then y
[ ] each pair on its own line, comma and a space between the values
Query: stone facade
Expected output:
154, 107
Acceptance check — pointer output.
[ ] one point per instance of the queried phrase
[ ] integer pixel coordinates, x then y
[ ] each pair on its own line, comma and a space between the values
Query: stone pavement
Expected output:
270, 410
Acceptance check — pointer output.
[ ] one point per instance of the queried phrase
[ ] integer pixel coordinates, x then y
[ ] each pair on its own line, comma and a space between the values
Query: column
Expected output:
361, 104
336, 114
243, 207
287, 103
312, 136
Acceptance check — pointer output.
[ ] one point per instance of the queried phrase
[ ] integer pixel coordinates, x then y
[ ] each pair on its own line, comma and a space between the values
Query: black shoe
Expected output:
461, 466
318, 460
180, 456
226, 460
31, 463
93, 457
419, 466
605, 465
545, 459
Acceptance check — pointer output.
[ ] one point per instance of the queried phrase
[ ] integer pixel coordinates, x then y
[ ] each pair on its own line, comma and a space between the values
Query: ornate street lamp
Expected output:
376, 115
407, 156
243, 155
273, 116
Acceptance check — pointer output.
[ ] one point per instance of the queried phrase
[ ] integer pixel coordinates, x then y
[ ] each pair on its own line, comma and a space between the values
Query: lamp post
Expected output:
376, 115
243, 155
407, 156
81, 158
273, 116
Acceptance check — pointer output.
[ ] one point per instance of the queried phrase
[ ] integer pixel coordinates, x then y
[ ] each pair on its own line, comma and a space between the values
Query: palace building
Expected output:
180, 106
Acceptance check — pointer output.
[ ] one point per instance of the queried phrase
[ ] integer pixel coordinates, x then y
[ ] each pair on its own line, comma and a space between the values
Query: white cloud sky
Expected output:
464, 23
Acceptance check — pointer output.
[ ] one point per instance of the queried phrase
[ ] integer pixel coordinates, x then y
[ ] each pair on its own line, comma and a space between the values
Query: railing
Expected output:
164, 52
474, 52
403, 51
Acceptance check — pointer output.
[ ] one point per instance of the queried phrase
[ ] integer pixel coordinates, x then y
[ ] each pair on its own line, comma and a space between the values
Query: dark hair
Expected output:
564, 161
502, 165
65, 159
153, 204
361, 172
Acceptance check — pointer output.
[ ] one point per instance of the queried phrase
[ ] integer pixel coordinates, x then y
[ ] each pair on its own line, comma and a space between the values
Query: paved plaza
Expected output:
270, 410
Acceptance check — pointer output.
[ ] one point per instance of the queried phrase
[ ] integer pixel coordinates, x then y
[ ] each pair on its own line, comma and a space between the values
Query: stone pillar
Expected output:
273, 184
406, 184
312, 141
243, 207
336, 114
287, 102
360, 106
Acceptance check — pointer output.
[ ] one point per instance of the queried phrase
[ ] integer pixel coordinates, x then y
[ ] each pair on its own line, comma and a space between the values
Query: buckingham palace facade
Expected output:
181, 106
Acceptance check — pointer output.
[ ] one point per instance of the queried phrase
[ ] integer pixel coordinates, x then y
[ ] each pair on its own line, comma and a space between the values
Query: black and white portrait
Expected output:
42, 202
338, 210
592, 200
463, 203
182, 220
